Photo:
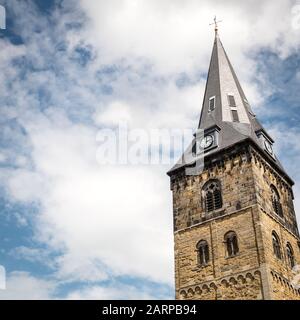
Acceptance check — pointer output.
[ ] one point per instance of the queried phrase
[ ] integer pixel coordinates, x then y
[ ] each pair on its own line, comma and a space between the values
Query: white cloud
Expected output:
104, 218
111, 221
113, 114
21, 220
114, 293
3, 157
32, 254
176, 36
23, 286
8, 52
26, 185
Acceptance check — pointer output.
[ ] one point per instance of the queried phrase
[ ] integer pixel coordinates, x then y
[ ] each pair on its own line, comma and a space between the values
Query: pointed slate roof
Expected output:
222, 82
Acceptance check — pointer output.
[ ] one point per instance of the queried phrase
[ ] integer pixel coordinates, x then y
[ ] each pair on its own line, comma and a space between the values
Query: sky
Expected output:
72, 228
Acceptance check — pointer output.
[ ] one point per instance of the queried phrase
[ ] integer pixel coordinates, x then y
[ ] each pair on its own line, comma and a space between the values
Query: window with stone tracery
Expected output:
212, 196
276, 245
276, 201
290, 255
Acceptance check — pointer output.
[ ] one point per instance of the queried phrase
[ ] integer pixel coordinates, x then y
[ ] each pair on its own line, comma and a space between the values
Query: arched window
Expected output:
276, 201
231, 243
290, 255
203, 252
276, 245
212, 195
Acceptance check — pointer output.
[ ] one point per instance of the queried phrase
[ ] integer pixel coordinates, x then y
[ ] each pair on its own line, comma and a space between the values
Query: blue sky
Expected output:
69, 227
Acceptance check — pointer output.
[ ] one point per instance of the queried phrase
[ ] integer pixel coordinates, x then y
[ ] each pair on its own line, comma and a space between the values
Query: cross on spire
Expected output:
216, 24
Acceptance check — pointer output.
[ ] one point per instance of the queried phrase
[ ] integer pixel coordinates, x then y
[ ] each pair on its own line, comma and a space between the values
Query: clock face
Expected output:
268, 147
207, 141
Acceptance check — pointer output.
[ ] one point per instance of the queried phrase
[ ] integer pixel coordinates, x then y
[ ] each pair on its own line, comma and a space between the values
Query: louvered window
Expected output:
231, 101
212, 103
235, 116
276, 245
212, 196
276, 201
290, 255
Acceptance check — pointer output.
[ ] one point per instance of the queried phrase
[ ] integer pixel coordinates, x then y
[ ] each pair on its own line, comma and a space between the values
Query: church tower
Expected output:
235, 228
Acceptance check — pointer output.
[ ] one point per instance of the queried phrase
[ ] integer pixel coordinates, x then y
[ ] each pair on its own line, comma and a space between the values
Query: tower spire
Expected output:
226, 111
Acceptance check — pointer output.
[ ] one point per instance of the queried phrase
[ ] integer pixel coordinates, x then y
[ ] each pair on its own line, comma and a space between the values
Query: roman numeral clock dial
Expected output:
207, 142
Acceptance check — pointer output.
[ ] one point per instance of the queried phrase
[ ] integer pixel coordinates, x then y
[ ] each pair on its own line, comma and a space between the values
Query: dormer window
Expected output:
235, 116
231, 101
212, 103
233, 108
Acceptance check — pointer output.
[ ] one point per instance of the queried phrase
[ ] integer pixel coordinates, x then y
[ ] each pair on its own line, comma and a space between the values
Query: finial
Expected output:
216, 24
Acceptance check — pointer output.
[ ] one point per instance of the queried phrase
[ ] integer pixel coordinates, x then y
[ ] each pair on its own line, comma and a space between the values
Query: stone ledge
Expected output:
215, 218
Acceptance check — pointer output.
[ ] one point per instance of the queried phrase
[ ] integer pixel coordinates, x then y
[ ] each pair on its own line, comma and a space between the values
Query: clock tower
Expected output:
235, 228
